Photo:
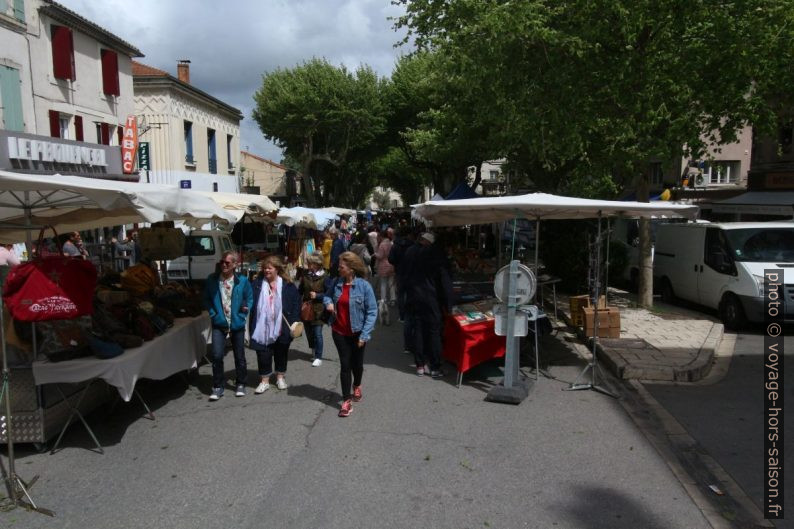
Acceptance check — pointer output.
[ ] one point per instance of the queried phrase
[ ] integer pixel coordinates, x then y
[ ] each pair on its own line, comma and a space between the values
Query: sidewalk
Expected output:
666, 343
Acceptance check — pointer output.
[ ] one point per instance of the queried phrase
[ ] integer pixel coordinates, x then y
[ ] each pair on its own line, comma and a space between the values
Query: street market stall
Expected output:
541, 206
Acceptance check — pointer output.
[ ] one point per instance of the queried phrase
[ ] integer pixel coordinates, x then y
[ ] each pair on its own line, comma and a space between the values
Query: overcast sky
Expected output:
231, 43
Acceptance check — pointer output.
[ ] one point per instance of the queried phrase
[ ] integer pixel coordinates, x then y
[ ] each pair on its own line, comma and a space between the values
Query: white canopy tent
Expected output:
340, 211
238, 204
539, 206
312, 218
73, 203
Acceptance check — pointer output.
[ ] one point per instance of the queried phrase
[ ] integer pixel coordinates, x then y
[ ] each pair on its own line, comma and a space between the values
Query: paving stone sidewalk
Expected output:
667, 343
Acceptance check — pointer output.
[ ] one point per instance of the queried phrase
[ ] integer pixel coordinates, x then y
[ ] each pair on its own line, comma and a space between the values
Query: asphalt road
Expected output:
415, 452
726, 417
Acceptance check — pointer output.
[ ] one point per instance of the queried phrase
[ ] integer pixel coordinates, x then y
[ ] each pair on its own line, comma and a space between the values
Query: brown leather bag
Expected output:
307, 311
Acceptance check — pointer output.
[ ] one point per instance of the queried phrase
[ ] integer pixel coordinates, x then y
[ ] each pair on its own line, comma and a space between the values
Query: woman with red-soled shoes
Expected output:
351, 302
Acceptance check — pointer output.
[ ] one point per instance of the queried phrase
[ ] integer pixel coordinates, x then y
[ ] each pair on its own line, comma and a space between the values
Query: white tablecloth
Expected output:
176, 350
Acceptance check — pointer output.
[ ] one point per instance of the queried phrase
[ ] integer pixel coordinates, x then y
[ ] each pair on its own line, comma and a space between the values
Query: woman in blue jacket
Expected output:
227, 298
276, 306
351, 302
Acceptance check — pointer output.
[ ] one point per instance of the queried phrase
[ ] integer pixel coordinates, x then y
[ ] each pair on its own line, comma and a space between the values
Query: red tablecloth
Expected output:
469, 345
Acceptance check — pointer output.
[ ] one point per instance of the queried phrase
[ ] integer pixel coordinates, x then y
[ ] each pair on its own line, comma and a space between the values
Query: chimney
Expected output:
183, 70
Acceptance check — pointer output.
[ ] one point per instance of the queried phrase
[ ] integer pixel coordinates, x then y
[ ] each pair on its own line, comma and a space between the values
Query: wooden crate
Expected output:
608, 322
577, 303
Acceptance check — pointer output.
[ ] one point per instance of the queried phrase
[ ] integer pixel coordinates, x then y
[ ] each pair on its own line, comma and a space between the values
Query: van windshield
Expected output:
199, 245
762, 244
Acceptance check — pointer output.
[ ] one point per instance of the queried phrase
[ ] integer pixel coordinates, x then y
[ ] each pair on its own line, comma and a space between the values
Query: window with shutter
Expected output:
62, 53
120, 133
55, 124
105, 134
11, 99
19, 10
78, 128
110, 72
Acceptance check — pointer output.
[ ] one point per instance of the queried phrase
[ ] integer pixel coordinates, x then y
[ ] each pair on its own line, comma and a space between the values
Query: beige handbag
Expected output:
296, 329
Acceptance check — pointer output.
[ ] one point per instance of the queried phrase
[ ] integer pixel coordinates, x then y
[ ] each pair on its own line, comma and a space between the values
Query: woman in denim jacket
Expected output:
351, 303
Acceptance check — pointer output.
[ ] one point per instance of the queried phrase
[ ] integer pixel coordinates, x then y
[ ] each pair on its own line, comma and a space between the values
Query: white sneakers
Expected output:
281, 383
317, 362
261, 388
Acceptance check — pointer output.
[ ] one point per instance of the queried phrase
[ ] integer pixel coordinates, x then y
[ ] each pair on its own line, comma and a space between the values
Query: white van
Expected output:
203, 251
721, 265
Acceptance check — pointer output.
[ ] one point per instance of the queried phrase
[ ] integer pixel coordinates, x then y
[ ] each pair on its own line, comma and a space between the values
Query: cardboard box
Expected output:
578, 302
608, 322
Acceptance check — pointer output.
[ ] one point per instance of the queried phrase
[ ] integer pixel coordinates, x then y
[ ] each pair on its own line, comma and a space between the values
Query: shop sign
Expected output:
129, 144
143, 156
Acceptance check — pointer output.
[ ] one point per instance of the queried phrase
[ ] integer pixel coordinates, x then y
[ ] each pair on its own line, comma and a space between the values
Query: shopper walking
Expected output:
386, 283
227, 298
351, 302
429, 295
312, 287
276, 306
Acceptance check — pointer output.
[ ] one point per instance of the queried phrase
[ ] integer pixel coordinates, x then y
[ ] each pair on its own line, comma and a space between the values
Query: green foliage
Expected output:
585, 89
324, 116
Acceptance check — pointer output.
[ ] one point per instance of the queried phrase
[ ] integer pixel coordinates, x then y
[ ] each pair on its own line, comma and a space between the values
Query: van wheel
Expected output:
732, 313
668, 296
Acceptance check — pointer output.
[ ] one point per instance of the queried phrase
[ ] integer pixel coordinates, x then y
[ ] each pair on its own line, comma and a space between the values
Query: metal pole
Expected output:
12, 490
606, 267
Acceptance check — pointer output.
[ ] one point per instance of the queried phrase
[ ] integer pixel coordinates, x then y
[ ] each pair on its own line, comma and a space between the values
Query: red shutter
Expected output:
105, 134
63, 53
110, 72
78, 128
120, 133
55, 124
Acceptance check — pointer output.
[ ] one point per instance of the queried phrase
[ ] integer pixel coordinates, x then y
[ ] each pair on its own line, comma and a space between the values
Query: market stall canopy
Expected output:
541, 206
758, 203
73, 203
238, 204
316, 219
340, 211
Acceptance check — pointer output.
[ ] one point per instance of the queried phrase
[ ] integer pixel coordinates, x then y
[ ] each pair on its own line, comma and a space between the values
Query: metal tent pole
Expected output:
593, 366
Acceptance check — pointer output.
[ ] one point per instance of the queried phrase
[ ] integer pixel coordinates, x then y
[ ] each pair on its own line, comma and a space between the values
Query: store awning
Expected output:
239, 204
758, 203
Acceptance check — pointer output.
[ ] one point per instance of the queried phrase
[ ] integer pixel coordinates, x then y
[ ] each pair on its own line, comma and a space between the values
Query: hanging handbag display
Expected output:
53, 287
307, 311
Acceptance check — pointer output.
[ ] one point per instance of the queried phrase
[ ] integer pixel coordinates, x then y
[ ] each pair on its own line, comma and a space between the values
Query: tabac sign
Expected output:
129, 144
21, 152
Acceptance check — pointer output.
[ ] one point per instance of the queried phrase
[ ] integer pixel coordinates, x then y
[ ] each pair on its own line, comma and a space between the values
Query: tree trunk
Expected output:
308, 185
645, 276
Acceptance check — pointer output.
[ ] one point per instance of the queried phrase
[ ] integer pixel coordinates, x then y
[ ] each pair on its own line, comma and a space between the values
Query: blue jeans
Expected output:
314, 335
219, 351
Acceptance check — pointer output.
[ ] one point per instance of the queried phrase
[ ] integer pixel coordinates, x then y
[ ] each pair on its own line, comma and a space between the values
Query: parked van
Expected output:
203, 251
721, 265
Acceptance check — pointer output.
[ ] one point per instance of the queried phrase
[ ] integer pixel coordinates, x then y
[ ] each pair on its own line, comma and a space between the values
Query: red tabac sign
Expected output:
129, 144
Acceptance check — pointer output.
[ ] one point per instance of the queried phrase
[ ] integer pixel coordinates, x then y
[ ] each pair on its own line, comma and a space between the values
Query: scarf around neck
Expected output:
268, 316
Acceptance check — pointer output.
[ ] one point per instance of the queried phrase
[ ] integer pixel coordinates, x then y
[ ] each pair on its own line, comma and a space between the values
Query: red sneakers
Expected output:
357, 393
347, 408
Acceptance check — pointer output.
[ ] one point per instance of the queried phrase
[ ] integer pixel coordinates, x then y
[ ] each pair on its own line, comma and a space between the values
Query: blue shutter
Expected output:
19, 10
11, 99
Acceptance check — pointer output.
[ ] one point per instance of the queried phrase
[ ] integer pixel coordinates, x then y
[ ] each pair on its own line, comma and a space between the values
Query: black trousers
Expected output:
351, 362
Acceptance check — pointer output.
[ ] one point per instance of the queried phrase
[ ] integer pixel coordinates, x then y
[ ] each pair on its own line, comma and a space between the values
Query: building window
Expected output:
78, 128
63, 122
103, 133
212, 158
63, 53
494, 175
229, 151
721, 172
10, 100
19, 10
110, 72
189, 142
120, 133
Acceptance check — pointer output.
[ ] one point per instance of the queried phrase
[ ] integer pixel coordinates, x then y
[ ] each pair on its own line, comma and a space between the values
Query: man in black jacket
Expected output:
428, 288
402, 242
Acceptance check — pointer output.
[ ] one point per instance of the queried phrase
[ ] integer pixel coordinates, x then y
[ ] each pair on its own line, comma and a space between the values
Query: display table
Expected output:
471, 344
178, 349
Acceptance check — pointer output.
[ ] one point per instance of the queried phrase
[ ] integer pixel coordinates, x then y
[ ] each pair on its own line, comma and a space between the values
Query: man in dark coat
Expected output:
401, 244
428, 288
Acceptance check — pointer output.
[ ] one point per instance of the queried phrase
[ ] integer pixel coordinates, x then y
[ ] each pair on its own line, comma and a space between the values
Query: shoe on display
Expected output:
216, 393
240, 391
281, 383
261, 388
357, 396
317, 362
347, 408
